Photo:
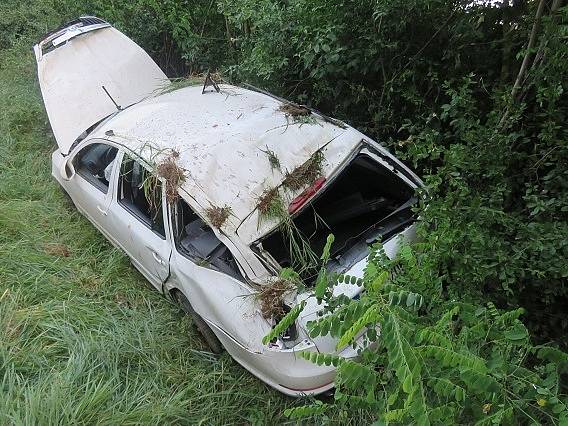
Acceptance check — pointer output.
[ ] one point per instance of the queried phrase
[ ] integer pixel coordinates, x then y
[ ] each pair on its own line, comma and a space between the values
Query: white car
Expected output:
205, 238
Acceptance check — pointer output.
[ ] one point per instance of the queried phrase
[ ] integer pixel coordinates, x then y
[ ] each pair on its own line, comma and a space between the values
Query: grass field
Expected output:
83, 337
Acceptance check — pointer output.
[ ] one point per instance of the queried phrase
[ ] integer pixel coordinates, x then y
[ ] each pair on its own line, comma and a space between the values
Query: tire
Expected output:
210, 338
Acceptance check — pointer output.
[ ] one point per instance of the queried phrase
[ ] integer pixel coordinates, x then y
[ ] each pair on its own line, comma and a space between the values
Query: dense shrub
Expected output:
433, 80
439, 359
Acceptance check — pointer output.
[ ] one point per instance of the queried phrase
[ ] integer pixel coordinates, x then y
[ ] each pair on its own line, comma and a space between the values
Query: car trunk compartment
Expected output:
365, 198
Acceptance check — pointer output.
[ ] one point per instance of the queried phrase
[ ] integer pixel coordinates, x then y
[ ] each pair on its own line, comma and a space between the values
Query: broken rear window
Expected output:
366, 202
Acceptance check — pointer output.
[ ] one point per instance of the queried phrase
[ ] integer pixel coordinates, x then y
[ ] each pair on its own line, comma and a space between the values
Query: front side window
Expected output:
95, 163
140, 192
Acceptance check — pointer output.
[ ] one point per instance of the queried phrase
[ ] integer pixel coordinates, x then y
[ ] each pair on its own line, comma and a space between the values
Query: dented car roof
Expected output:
222, 140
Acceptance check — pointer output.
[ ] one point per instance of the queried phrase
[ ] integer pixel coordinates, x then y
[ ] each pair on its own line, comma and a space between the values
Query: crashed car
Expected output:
184, 182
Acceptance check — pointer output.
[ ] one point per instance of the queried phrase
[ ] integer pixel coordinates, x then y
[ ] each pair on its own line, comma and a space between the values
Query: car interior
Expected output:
197, 241
94, 163
141, 194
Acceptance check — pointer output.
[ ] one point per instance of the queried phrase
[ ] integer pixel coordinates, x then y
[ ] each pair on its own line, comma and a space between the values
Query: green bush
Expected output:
438, 360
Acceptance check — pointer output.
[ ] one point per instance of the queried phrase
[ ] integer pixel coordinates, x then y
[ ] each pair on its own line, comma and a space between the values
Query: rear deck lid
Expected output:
75, 62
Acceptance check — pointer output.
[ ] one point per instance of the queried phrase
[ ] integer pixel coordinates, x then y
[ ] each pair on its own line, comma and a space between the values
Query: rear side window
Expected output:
95, 163
140, 193
196, 240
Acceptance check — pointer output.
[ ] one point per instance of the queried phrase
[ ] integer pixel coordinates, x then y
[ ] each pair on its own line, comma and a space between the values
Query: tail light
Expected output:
301, 199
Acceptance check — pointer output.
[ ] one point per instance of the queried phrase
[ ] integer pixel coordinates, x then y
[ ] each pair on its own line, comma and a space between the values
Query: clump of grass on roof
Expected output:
174, 84
272, 159
173, 174
270, 205
271, 298
299, 113
294, 110
305, 174
218, 215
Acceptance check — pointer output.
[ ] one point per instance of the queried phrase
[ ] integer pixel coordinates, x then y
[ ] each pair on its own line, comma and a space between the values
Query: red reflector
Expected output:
301, 199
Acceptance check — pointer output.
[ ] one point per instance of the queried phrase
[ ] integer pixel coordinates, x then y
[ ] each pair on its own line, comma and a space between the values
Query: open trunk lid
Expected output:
75, 62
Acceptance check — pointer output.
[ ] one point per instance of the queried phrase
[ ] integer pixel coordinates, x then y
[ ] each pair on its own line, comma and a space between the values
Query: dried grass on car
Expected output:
218, 215
294, 110
173, 174
305, 174
271, 298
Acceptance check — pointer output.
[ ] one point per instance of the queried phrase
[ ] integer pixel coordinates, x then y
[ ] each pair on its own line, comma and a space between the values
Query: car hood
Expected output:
76, 61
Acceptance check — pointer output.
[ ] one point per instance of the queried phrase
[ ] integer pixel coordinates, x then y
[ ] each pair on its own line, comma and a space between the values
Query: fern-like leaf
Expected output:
400, 354
378, 282
306, 410
446, 388
284, 323
319, 358
480, 383
450, 358
371, 316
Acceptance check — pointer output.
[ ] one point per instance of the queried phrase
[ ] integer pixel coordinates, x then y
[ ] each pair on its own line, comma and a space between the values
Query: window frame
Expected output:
148, 222
89, 177
173, 210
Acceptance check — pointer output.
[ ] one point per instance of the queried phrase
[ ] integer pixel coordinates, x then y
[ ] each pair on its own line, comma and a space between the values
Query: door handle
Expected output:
156, 257
101, 210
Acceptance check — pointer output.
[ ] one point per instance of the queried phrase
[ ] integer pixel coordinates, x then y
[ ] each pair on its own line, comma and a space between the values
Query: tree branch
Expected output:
526, 59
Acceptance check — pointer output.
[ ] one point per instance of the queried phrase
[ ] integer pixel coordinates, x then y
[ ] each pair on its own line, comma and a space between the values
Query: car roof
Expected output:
223, 140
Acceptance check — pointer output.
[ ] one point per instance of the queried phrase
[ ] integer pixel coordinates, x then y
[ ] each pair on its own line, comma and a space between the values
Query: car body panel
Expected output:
72, 76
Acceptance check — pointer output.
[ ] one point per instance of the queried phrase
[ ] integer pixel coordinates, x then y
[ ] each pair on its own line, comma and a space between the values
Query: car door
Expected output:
137, 211
92, 185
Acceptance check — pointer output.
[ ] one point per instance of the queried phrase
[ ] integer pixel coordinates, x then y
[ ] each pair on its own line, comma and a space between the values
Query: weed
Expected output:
294, 110
270, 205
218, 215
271, 298
173, 174
305, 174
299, 113
272, 159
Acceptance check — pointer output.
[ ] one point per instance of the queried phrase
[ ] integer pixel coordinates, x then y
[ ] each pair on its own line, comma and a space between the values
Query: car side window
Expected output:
95, 163
196, 240
140, 193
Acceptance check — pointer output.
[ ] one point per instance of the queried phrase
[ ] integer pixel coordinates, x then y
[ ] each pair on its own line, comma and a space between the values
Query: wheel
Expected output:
210, 338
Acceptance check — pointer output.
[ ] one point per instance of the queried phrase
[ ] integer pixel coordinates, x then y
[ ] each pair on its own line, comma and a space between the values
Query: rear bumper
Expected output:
285, 370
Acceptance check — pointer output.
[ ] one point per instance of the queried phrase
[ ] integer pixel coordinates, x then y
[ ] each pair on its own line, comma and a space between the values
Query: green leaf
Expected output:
284, 323
517, 332
327, 248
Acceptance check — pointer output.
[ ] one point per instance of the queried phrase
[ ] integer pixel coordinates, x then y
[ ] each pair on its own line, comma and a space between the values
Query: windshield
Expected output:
364, 202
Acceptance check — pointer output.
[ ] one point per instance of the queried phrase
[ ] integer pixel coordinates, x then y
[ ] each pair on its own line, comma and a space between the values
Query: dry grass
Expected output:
294, 110
305, 174
271, 298
173, 174
269, 203
56, 249
218, 215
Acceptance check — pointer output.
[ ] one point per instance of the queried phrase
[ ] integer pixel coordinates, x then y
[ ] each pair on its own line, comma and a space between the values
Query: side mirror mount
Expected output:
67, 170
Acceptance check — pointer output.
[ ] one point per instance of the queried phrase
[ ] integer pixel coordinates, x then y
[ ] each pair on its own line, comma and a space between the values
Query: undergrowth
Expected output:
438, 360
